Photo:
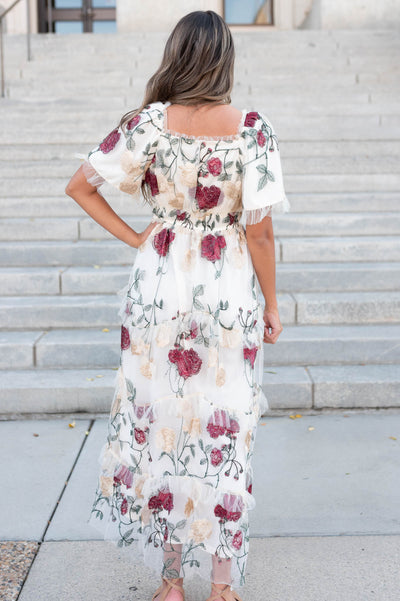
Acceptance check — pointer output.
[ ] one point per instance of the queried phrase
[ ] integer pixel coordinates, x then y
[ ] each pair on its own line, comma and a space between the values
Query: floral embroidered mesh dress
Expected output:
176, 467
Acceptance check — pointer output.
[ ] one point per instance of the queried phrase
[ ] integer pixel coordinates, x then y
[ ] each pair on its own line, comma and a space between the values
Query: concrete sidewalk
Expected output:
326, 526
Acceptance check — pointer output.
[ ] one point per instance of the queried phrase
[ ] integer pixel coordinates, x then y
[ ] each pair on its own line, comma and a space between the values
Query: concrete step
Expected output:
290, 277
91, 390
347, 307
340, 249
303, 345
51, 253
335, 345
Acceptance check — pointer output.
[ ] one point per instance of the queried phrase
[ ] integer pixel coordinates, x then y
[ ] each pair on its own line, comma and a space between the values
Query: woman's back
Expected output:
206, 121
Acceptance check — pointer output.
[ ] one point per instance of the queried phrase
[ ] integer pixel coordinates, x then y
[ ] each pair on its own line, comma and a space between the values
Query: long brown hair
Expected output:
197, 65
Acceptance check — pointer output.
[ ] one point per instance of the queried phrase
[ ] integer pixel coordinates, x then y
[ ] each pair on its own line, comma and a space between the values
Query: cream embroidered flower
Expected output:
163, 334
189, 176
106, 485
145, 515
188, 260
129, 165
147, 368
139, 486
165, 439
200, 530
212, 356
193, 427
129, 185
220, 377
231, 338
247, 441
233, 190
189, 507
138, 346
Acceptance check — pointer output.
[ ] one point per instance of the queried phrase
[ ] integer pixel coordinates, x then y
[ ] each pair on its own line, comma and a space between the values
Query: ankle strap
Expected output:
220, 593
174, 585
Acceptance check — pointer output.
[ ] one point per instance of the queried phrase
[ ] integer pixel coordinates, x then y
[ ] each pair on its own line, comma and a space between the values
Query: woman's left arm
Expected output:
98, 208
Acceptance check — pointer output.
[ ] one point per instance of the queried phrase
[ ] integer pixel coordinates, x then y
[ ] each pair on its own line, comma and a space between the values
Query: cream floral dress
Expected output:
176, 466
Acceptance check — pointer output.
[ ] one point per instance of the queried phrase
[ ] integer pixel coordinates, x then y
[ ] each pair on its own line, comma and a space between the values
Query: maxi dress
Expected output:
176, 466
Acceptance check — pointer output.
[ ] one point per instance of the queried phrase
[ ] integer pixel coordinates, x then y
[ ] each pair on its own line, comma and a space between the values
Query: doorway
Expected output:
77, 16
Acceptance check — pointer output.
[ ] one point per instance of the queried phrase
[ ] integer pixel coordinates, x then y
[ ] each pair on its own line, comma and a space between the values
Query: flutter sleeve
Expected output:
123, 156
263, 190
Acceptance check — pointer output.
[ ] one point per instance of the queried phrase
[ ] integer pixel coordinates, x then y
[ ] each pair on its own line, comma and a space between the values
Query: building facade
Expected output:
100, 16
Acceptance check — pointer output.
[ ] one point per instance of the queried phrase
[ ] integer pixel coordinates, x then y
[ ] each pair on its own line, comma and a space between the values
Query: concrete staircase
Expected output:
333, 99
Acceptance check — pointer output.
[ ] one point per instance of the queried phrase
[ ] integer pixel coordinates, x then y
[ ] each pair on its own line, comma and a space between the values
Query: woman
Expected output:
175, 470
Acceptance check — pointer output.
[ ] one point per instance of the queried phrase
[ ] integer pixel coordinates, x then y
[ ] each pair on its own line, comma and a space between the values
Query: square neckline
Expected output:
176, 134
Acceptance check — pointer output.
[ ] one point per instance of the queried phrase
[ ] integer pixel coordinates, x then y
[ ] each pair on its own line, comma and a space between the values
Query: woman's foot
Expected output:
226, 593
175, 590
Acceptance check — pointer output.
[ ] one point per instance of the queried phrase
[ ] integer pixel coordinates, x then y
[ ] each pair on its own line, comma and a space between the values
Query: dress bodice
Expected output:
203, 182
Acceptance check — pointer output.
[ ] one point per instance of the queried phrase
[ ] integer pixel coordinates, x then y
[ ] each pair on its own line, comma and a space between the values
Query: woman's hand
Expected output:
142, 236
272, 321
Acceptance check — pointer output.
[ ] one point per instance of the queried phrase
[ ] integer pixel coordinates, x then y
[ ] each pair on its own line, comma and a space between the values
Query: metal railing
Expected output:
28, 39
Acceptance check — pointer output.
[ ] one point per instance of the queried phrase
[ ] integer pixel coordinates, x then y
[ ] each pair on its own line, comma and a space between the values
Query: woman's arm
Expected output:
98, 208
261, 244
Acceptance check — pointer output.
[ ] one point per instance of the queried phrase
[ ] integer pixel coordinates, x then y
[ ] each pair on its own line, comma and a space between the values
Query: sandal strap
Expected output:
220, 593
175, 585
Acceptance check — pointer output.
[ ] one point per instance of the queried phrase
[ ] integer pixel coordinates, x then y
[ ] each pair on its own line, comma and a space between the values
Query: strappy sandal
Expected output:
165, 590
220, 593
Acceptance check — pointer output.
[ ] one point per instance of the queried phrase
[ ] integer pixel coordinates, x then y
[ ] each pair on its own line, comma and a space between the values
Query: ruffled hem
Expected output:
253, 216
169, 510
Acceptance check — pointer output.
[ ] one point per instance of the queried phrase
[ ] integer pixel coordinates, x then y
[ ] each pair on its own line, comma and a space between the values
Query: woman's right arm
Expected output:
98, 208
261, 245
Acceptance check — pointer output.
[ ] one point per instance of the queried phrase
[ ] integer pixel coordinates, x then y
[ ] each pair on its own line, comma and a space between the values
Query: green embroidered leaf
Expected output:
262, 168
262, 182
180, 524
271, 176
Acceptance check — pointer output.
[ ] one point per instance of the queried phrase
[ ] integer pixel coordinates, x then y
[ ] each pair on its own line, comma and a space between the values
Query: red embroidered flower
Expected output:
123, 475
220, 512
151, 180
166, 533
211, 247
124, 506
110, 141
134, 121
234, 507
207, 197
188, 361
181, 215
166, 499
237, 540
214, 166
250, 488
221, 423
216, 457
251, 119
155, 503
139, 411
250, 354
162, 240
261, 139
233, 427
140, 435
125, 340
232, 218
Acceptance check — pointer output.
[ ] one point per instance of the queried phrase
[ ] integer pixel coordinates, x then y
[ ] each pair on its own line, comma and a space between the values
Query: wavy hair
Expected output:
197, 65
